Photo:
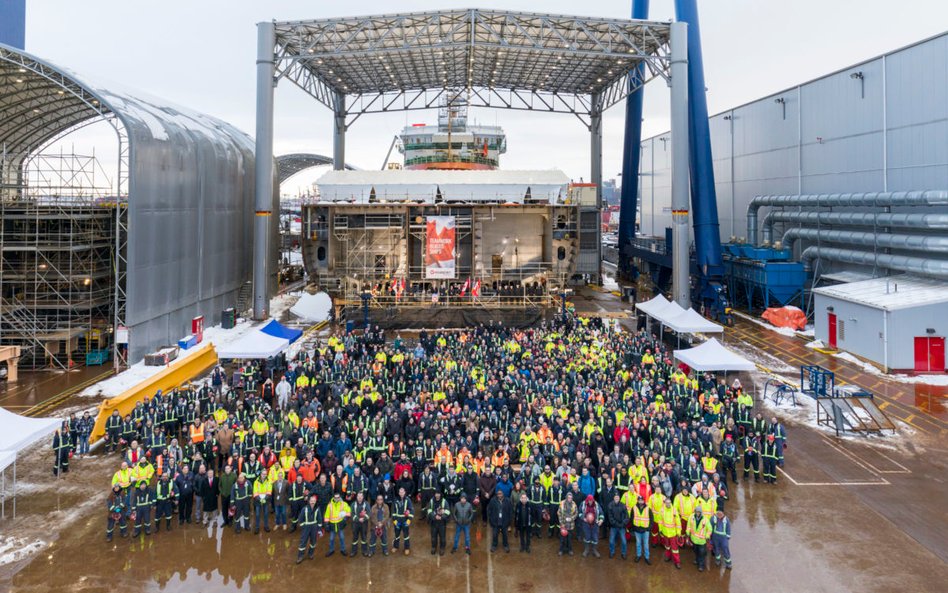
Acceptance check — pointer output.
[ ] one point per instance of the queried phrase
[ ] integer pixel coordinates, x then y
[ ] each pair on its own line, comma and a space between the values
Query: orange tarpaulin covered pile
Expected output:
788, 316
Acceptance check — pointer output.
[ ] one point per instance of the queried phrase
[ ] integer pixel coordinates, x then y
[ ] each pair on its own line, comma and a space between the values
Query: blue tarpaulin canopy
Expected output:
275, 329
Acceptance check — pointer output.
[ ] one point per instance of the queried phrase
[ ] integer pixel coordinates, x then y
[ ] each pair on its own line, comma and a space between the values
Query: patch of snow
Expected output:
761, 357
940, 379
217, 335
609, 283
313, 307
13, 548
869, 368
816, 344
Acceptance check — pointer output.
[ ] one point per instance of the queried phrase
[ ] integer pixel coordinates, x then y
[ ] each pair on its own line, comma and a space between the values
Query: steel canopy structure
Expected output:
289, 165
499, 59
511, 60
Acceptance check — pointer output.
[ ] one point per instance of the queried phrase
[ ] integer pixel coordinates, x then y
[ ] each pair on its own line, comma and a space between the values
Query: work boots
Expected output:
585, 550
595, 551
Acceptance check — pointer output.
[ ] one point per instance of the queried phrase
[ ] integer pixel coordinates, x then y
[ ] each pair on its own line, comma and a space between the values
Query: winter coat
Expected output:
522, 515
463, 513
208, 493
499, 513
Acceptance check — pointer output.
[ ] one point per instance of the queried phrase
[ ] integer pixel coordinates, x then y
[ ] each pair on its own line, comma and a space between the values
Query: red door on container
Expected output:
832, 329
929, 354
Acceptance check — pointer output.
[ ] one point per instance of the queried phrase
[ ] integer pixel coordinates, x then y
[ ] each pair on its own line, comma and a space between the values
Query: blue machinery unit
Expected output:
760, 277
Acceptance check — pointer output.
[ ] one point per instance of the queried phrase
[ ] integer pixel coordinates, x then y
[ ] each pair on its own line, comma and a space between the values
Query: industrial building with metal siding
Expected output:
840, 179
877, 126
898, 322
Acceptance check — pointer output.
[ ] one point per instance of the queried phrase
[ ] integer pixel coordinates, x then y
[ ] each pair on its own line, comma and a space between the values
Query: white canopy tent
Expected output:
17, 433
691, 322
254, 345
660, 309
712, 356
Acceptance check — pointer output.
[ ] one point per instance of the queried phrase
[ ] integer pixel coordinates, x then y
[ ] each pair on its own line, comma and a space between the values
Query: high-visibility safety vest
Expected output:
710, 464
345, 482
669, 523
122, 477
336, 512
708, 506
262, 488
685, 505
699, 531
260, 427
640, 518
142, 473
197, 433
656, 502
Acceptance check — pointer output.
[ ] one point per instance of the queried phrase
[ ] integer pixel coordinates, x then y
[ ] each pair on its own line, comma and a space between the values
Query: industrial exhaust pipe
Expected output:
902, 263
873, 199
929, 243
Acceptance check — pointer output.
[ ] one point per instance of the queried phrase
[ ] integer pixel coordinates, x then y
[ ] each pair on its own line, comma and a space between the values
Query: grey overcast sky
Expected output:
200, 54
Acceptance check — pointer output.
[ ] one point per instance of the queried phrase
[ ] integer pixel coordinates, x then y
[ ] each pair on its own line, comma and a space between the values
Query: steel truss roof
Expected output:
512, 60
289, 165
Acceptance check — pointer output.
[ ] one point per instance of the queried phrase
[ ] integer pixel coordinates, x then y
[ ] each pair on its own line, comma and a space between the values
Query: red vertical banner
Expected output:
440, 253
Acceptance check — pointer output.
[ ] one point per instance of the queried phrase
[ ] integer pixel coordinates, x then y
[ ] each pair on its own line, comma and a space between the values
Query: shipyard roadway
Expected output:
846, 515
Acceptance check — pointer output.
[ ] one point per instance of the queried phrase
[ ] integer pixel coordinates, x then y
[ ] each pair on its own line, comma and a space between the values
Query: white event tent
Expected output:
712, 356
17, 433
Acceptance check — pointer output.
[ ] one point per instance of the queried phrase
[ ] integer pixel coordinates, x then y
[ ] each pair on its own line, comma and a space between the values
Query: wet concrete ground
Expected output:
36, 387
854, 518
847, 515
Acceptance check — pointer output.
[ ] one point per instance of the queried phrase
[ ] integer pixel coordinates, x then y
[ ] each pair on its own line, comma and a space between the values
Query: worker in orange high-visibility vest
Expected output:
196, 432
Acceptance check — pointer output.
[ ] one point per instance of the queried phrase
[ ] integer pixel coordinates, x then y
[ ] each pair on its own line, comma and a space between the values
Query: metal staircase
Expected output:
245, 297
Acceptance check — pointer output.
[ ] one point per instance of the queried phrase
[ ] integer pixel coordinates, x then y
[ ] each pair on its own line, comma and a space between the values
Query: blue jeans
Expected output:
83, 444
280, 514
466, 530
641, 544
342, 539
614, 534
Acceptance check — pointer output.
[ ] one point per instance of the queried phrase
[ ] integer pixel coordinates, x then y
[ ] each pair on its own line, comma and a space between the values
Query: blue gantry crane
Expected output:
707, 263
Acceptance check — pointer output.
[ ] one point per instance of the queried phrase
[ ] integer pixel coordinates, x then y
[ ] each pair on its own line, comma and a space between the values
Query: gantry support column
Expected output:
681, 286
339, 132
595, 174
263, 170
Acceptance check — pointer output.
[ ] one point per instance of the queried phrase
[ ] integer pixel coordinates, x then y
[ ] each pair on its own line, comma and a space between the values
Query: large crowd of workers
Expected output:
578, 431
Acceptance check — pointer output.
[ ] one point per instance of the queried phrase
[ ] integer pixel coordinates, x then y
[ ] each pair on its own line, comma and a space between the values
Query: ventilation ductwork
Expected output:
901, 263
873, 199
929, 243
864, 219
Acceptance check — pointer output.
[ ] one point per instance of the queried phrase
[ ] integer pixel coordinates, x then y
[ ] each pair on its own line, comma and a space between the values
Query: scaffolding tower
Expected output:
58, 258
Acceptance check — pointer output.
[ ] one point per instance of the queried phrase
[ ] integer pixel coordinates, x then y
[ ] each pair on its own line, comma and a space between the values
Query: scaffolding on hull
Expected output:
58, 260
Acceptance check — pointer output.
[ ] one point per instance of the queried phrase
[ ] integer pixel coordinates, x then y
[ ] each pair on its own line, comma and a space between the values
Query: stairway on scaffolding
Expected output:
19, 326
843, 408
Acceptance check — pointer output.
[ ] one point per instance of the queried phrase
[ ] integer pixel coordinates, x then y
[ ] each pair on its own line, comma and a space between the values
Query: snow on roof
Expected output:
450, 186
428, 176
894, 292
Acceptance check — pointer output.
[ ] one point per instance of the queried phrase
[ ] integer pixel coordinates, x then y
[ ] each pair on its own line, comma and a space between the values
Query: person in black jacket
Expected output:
523, 514
208, 489
499, 516
618, 516
184, 482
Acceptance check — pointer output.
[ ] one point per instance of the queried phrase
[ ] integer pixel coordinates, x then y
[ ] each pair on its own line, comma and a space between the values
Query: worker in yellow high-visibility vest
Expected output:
670, 528
335, 520
262, 492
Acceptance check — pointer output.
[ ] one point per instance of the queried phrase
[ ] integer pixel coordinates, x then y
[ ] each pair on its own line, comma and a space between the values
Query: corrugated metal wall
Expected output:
189, 228
822, 136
